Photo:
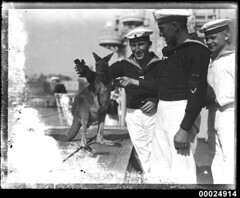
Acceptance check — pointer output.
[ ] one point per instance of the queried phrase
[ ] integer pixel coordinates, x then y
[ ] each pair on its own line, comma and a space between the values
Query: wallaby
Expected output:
92, 103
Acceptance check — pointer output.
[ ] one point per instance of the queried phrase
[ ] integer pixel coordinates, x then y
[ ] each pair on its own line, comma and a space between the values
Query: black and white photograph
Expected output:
119, 96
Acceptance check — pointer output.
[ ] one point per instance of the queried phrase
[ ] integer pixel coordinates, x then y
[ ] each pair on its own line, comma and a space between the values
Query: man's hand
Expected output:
126, 81
181, 139
149, 107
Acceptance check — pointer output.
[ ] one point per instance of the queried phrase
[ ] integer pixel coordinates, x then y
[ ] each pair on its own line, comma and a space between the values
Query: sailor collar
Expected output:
132, 60
168, 51
224, 52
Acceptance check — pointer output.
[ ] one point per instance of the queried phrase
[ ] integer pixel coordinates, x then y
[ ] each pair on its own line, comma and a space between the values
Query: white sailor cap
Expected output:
169, 15
54, 78
138, 33
215, 26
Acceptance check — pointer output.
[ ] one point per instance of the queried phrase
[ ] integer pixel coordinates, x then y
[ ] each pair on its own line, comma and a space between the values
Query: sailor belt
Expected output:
220, 108
225, 107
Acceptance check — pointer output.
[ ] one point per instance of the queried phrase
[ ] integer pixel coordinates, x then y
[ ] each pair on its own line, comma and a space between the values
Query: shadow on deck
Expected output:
119, 158
113, 157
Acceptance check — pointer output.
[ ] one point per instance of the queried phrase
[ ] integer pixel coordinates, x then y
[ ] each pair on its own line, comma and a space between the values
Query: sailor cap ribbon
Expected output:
215, 26
138, 32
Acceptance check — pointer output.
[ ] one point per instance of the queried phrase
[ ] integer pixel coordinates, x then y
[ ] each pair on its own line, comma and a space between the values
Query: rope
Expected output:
89, 141
52, 114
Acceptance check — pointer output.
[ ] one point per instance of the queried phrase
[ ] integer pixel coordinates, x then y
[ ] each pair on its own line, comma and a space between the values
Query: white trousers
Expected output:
140, 128
221, 140
168, 165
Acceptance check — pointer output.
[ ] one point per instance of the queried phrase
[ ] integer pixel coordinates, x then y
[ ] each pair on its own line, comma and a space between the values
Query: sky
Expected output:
56, 37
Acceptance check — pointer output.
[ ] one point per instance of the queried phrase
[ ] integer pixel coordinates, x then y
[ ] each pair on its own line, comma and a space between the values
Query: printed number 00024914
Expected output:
217, 193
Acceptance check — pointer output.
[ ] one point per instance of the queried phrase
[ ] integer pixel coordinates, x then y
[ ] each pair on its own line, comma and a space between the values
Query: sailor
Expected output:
221, 101
59, 87
181, 85
141, 103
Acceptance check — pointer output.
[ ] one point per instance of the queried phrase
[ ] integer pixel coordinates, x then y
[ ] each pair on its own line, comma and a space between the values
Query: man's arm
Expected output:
84, 71
197, 84
225, 89
150, 85
146, 84
114, 71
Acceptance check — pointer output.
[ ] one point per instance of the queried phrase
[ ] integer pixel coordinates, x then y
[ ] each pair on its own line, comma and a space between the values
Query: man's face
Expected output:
216, 42
140, 48
168, 32
54, 81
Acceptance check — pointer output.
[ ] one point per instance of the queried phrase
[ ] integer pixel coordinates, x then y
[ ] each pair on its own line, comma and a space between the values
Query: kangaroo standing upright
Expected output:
91, 104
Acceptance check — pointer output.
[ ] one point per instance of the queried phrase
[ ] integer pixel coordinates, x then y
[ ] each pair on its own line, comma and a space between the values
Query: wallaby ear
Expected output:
108, 57
97, 58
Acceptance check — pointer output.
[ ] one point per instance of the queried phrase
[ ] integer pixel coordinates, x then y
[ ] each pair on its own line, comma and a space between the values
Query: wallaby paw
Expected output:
118, 143
109, 142
87, 148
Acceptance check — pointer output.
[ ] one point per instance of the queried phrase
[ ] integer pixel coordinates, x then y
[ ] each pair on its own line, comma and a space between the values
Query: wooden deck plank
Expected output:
107, 154
114, 158
122, 159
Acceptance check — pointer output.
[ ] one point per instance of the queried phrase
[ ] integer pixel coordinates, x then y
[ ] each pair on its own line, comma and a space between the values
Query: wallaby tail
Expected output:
76, 125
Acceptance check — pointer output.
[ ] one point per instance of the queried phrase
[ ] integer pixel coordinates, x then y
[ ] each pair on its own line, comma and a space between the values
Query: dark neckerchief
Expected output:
224, 52
169, 50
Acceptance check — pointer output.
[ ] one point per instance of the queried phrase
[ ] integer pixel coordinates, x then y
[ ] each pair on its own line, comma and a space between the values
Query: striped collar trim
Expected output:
132, 60
195, 41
